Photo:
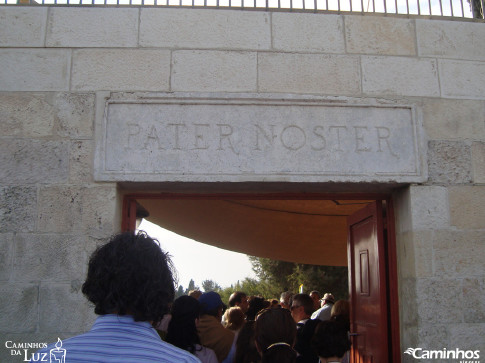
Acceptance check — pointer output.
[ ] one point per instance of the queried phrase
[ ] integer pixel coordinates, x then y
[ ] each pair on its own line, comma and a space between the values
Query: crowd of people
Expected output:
130, 282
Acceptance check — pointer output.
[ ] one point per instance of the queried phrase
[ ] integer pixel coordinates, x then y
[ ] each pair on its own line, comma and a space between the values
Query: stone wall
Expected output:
52, 213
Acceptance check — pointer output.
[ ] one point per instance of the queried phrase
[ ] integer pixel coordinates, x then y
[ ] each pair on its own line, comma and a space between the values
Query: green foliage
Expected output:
476, 8
210, 285
191, 286
274, 277
324, 279
279, 276
180, 291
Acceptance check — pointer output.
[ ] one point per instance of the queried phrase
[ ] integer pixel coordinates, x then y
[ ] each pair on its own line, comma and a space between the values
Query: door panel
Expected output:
367, 282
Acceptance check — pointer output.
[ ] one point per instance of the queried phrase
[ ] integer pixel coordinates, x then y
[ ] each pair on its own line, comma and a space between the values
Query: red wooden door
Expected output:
367, 284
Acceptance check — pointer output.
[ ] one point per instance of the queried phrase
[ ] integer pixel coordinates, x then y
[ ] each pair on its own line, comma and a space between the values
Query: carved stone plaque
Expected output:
228, 138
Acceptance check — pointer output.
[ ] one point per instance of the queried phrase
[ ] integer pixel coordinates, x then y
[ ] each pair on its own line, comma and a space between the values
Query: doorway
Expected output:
320, 229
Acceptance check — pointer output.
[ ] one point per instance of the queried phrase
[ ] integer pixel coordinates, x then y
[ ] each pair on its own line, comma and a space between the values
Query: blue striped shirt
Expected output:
115, 338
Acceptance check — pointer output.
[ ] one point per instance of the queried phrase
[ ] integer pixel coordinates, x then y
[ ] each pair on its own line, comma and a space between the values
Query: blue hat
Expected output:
210, 301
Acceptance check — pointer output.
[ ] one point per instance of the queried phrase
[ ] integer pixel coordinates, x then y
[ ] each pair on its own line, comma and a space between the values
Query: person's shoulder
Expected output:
176, 354
312, 323
206, 355
316, 313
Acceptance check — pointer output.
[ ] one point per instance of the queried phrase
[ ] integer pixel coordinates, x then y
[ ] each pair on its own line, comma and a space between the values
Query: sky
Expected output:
198, 261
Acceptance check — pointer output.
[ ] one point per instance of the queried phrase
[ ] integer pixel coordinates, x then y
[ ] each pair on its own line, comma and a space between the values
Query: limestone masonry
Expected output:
95, 99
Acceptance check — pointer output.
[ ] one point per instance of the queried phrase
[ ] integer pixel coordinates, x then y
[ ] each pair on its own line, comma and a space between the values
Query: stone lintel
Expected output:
194, 137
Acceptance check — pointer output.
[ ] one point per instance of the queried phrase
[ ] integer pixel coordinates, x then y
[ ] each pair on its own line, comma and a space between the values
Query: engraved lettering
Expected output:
337, 129
383, 133
359, 139
225, 133
151, 138
200, 142
269, 137
133, 130
320, 136
293, 137
176, 134
199, 139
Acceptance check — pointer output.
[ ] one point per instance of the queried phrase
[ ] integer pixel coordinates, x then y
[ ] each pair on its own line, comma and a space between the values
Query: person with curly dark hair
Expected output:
331, 341
130, 281
275, 335
182, 329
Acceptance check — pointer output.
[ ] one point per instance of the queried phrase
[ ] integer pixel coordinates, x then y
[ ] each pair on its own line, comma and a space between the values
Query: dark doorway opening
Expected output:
269, 225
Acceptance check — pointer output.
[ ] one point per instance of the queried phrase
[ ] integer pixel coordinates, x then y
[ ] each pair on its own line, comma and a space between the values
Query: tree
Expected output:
210, 285
191, 287
272, 271
278, 276
476, 8
180, 291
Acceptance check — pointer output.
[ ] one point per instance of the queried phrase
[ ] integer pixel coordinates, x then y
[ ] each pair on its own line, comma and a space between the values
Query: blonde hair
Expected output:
234, 318
195, 294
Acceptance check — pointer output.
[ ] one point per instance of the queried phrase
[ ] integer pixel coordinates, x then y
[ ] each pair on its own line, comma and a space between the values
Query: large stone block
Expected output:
378, 35
60, 209
473, 301
478, 162
48, 257
429, 208
433, 336
402, 210
440, 301
308, 73
450, 39
449, 162
18, 208
255, 137
446, 119
416, 254
22, 26
466, 207
308, 32
99, 213
461, 79
208, 29
18, 308
6, 255
33, 161
405, 253
195, 70
121, 70
75, 113
459, 253
63, 308
81, 161
468, 337
27, 115
100, 27
409, 339
35, 69
408, 311
400, 76
47, 114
